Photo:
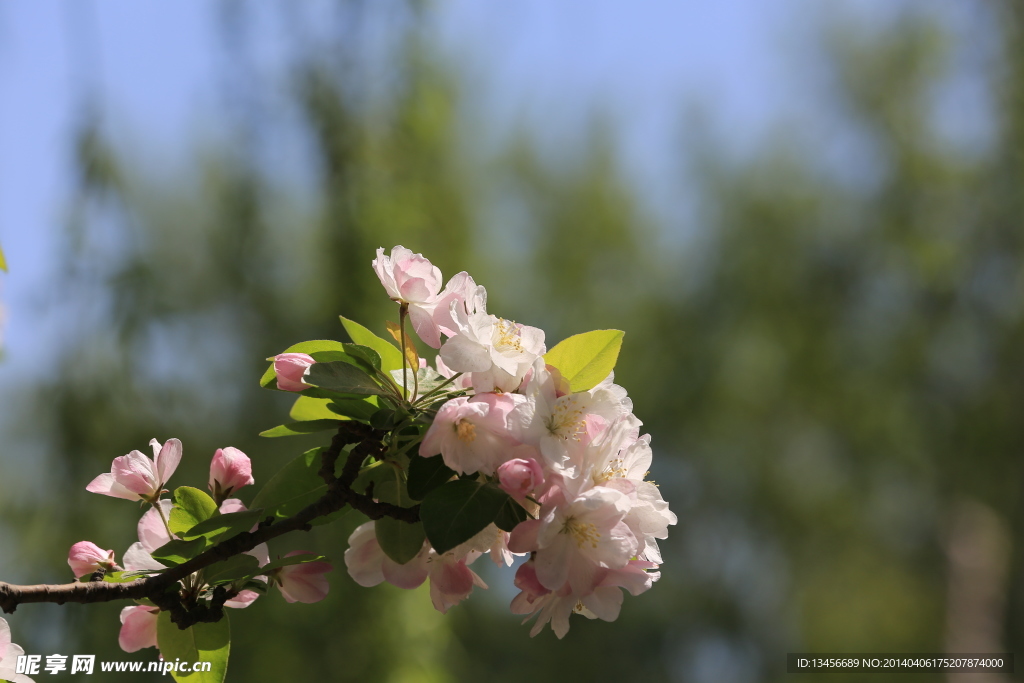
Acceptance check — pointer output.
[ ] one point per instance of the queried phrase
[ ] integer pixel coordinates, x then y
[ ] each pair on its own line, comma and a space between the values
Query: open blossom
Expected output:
9, 653
302, 582
415, 282
290, 368
138, 627
85, 558
496, 351
560, 423
471, 434
573, 539
451, 579
230, 470
136, 477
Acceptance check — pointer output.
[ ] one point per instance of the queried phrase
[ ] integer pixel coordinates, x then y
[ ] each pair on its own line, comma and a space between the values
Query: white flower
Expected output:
496, 351
576, 537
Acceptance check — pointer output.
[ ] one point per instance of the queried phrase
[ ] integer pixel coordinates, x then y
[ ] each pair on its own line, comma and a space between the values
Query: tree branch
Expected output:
162, 588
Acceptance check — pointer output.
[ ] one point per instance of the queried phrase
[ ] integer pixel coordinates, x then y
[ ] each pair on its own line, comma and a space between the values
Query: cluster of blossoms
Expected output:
501, 448
138, 478
573, 459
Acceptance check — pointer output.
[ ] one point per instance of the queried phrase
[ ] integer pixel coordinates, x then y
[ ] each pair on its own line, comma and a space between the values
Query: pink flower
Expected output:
406, 276
302, 582
230, 470
86, 557
451, 581
138, 628
471, 434
290, 369
136, 477
520, 477
368, 565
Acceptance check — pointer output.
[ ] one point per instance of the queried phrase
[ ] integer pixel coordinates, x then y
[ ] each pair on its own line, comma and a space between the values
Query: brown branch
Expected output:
162, 588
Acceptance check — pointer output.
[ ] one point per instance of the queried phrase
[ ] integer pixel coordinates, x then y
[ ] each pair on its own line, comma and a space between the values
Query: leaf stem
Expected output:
163, 518
403, 310
438, 388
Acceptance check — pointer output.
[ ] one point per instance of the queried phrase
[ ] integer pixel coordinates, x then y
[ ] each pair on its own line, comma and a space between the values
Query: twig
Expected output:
162, 588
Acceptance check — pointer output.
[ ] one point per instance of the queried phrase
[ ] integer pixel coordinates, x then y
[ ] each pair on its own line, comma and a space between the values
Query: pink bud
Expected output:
519, 477
230, 470
302, 582
290, 368
84, 558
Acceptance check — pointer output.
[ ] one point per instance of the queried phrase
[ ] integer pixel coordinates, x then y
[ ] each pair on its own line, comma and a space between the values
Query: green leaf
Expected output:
177, 551
294, 487
221, 527
234, 568
457, 511
390, 356
369, 358
399, 540
355, 408
426, 474
383, 419
586, 359
126, 576
307, 409
191, 506
510, 515
203, 642
298, 428
376, 474
427, 379
288, 561
3, 261
344, 378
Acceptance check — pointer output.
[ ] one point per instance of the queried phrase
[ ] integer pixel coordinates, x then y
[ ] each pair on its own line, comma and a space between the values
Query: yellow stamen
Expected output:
465, 430
614, 470
506, 336
583, 532
568, 420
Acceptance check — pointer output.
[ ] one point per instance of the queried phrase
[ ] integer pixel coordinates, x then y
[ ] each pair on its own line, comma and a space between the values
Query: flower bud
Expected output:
84, 558
519, 477
290, 368
230, 470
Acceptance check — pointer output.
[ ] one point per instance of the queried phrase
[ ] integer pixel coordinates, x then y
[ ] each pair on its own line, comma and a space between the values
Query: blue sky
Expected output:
157, 71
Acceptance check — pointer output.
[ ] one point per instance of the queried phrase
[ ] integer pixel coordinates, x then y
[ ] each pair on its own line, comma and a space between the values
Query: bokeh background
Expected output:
806, 215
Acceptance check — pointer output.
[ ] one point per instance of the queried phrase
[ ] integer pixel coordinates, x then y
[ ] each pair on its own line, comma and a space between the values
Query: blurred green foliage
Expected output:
827, 367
